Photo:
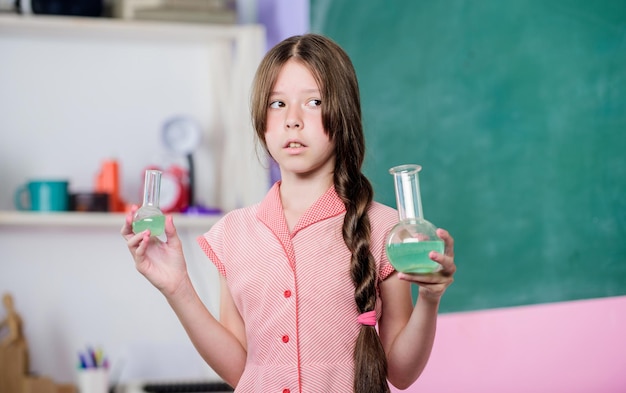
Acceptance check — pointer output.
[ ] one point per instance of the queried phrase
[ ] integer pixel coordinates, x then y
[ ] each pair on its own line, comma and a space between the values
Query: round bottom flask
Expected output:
412, 238
149, 215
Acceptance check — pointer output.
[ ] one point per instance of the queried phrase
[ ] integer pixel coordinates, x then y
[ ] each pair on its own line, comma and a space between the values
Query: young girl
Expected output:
304, 278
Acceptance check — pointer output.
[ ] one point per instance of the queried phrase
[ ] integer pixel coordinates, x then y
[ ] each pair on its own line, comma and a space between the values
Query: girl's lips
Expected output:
294, 145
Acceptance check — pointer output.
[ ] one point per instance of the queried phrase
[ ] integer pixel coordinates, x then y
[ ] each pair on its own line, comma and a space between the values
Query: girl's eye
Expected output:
315, 102
276, 104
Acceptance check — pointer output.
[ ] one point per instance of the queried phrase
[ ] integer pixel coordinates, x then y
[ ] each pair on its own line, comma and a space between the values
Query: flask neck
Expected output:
152, 188
408, 198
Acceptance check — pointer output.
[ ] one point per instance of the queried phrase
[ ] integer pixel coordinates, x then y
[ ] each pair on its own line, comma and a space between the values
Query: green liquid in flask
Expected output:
149, 216
412, 257
411, 240
156, 225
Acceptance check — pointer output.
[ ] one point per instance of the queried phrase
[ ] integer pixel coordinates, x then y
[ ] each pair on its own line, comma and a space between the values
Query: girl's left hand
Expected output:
433, 285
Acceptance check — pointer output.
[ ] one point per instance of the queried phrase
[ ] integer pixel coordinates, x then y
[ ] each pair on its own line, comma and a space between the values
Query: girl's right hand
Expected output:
162, 263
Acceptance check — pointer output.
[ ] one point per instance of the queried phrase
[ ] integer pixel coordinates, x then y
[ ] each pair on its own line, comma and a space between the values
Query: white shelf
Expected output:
120, 28
92, 220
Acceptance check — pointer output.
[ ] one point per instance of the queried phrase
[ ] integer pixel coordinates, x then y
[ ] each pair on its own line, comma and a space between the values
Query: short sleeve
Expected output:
382, 218
386, 269
212, 244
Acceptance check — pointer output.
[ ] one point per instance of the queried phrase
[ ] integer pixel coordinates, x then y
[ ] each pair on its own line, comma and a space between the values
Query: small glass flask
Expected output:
149, 215
413, 238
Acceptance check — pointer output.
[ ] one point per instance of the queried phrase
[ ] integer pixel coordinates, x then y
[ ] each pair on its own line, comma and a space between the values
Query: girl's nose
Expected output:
293, 121
293, 124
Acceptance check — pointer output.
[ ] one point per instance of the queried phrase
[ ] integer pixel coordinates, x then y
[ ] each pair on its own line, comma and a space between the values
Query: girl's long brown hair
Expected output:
341, 117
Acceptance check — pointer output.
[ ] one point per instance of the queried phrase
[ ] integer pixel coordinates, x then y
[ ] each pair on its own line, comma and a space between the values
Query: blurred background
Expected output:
516, 111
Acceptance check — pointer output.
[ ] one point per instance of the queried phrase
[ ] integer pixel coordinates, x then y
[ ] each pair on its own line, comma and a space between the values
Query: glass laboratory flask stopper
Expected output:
412, 238
149, 215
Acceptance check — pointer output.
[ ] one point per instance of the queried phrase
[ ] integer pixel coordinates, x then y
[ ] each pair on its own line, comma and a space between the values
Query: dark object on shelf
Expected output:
89, 202
188, 387
67, 7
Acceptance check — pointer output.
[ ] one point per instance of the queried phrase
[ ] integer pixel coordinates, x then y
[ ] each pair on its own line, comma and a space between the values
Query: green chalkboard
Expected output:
517, 112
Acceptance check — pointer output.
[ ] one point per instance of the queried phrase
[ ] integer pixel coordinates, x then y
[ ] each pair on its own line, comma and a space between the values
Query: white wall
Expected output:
78, 286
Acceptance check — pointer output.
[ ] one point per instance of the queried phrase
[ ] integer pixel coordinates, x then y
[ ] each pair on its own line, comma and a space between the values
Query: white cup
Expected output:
93, 380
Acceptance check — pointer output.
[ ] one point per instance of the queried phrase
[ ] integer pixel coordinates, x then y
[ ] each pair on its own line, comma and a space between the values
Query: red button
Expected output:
286, 391
285, 339
287, 293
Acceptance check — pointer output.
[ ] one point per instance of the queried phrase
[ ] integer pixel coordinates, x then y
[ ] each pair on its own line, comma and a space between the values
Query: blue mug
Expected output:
43, 196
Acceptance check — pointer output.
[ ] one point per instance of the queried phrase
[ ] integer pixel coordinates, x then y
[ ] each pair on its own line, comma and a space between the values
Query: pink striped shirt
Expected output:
294, 291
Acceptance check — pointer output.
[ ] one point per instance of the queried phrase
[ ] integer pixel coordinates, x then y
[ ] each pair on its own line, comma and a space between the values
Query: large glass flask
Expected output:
149, 216
413, 238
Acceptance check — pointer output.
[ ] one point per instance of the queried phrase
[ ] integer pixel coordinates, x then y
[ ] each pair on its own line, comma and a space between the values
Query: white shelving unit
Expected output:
74, 91
232, 54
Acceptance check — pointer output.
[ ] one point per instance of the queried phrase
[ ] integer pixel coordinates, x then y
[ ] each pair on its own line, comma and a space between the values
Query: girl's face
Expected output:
295, 136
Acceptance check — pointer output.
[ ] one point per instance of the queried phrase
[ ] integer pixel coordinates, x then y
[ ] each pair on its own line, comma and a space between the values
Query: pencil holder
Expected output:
93, 380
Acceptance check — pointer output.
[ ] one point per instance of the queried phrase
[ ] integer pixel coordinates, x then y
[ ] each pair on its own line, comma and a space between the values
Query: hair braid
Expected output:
370, 370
